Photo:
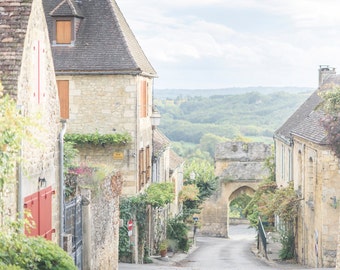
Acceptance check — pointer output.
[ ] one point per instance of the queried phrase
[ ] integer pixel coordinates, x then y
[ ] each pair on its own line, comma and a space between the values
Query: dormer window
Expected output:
63, 34
67, 16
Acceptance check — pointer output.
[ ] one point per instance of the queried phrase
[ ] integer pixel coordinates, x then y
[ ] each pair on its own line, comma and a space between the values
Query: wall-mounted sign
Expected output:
118, 155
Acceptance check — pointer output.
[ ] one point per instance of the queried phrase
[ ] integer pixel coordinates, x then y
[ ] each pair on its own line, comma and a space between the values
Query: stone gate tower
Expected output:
239, 167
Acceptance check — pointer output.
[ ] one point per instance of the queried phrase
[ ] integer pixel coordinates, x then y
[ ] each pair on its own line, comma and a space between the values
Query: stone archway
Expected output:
240, 168
214, 217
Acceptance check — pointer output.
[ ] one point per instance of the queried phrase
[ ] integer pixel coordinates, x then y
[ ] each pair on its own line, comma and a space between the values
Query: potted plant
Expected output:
163, 247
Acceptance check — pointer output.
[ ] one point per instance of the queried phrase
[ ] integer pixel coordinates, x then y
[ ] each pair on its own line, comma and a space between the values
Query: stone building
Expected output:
167, 167
105, 86
27, 74
303, 155
240, 168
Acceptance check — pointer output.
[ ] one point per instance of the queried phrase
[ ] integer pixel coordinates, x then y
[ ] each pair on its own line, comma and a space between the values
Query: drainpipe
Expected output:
61, 182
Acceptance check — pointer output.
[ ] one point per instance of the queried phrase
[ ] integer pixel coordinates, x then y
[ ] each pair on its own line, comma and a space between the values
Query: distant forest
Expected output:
205, 117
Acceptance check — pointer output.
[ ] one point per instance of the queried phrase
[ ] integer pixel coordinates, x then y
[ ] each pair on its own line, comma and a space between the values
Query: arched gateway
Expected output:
240, 168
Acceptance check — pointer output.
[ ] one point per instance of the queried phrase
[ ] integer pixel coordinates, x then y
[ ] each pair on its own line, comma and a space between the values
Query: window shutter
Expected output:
63, 93
63, 32
148, 164
39, 205
45, 213
31, 205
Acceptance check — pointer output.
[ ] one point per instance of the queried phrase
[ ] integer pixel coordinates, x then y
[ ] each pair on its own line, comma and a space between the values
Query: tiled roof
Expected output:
66, 8
160, 142
175, 160
14, 16
311, 128
306, 121
104, 42
298, 116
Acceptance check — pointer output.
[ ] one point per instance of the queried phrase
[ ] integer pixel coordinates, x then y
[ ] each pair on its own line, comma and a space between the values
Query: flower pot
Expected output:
163, 252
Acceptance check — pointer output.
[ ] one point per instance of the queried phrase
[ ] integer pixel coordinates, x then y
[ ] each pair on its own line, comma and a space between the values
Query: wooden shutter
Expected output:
148, 164
63, 32
63, 92
39, 205
141, 168
144, 99
45, 213
31, 206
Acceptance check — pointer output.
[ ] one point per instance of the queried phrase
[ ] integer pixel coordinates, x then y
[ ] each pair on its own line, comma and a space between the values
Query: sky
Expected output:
211, 44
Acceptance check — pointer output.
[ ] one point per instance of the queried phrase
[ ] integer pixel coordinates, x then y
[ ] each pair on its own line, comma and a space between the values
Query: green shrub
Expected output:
35, 253
177, 230
287, 240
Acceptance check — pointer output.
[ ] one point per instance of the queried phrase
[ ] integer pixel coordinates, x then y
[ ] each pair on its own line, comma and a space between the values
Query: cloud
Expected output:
272, 41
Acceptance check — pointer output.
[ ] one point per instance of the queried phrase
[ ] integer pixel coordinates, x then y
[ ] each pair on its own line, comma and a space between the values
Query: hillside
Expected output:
174, 93
251, 115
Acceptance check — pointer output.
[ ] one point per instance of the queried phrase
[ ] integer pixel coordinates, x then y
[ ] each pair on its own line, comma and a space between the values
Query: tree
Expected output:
201, 174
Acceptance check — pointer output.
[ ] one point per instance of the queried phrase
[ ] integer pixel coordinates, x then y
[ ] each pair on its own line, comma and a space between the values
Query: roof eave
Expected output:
103, 72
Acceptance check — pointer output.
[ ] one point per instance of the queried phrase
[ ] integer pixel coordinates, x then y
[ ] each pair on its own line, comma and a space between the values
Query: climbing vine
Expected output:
330, 121
135, 208
98, 139
12, 130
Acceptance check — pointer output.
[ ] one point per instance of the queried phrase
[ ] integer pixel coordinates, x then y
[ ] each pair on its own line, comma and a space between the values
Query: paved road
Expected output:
221, 253
218, 254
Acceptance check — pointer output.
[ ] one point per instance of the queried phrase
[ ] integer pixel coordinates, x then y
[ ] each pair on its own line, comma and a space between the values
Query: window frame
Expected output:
55, 30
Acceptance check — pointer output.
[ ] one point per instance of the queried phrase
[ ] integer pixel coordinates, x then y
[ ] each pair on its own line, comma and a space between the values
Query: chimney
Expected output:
325, 72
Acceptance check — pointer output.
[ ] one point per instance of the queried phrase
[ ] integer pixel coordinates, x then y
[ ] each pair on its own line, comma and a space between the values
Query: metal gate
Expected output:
73, 226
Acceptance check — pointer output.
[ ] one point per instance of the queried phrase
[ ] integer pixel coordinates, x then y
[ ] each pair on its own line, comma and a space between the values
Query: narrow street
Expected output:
216, 254
221, 253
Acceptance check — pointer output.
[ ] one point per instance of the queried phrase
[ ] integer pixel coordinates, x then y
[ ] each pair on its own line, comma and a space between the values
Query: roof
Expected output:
66, 8
104, 42
305, 122
175, 160
14, 15
311, 128
160, 142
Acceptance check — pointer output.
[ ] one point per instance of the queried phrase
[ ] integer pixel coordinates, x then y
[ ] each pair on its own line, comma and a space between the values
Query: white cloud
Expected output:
174, 36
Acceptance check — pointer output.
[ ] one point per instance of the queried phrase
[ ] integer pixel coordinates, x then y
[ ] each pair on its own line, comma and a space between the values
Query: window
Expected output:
63, 93
63, 32
144, 100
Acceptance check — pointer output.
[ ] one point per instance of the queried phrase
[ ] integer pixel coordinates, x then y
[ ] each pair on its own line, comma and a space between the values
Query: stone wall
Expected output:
37, 96
318, 220
110, 104
101, 226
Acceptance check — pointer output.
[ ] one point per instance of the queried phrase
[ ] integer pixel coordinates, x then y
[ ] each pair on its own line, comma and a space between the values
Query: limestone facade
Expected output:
109, 104
317, 171
303, 155
34, 88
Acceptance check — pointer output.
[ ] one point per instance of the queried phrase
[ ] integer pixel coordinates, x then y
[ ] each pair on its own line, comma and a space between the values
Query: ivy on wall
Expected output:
98, 139
331, 106
13, 128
